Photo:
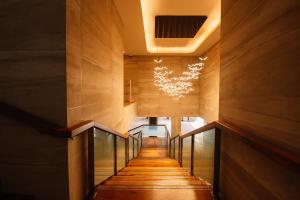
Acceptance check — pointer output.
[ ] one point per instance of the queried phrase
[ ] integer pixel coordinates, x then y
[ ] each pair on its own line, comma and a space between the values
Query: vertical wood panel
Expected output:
152, 101
94, 77
259, 92
209, 85
32, 78
203, 101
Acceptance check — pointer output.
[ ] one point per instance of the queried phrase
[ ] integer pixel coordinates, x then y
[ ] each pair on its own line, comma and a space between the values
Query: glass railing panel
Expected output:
158, 131
176, 148
136, 148
186, 153
171, 148
141, 139
139, 129
104, 155
130, 148
138, 141
121, 160
204, 145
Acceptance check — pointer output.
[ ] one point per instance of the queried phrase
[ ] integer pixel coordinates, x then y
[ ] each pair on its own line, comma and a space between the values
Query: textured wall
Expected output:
203, 101
150, 100
32, 78
259, 92
209, 85
95, 88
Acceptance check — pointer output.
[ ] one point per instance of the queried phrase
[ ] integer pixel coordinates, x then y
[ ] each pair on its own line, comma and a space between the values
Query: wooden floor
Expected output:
153, 176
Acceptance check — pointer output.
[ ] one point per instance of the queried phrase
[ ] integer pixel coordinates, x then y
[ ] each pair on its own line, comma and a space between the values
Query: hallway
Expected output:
153, 175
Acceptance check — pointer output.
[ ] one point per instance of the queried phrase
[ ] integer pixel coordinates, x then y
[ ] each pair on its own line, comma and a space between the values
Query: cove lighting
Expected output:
150, 10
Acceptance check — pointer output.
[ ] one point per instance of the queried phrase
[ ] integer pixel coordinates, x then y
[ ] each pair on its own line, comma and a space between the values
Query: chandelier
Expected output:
176, 86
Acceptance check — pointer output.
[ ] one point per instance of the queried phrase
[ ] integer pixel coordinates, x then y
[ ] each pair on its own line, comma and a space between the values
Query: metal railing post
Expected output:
126, 151
217, 158
91, 164
181, 150
178, 149
132, 147
115, 155
192, 155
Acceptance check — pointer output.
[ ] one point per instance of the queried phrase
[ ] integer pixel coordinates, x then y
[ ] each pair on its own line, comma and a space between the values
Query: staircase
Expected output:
153, 176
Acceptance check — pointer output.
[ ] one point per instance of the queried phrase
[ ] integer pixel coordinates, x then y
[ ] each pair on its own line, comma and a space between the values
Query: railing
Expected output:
145, 130
108, 151
199, 151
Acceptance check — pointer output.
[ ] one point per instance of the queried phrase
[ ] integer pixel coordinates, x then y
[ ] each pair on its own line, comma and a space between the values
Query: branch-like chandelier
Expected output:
176, 86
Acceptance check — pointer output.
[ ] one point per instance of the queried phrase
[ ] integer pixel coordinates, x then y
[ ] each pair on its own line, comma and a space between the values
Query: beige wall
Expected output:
32, 78
95, 88
203, 101
209, 85
150, 100
259, 92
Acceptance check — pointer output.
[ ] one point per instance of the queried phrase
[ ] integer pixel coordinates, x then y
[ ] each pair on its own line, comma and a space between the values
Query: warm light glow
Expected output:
150, 9
176, 86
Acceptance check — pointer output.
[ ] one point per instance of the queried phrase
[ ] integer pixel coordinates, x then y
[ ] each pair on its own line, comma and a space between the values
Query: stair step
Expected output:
203, 187
145, 178
153, 175
172, 182
154, 169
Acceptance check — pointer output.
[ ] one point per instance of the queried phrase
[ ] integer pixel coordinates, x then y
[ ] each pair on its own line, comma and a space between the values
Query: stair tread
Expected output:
153, 175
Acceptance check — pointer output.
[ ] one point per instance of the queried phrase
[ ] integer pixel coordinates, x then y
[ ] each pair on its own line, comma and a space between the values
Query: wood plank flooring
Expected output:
153, 176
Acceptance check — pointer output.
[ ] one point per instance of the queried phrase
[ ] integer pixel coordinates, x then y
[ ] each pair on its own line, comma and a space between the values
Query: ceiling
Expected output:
139, 15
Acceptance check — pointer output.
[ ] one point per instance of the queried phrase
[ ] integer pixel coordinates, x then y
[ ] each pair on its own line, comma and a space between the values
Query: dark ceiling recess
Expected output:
167, 26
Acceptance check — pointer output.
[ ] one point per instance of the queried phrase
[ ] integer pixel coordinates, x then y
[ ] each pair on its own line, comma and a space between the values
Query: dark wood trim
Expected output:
181, 147
132, 147
192, 155
126, 151
172, 138
142, 139
169, 146
115, 156
136, 127
217, 160
174, 142
91, 163
206, 127
178, 149
78, 128
38, 123
81, 127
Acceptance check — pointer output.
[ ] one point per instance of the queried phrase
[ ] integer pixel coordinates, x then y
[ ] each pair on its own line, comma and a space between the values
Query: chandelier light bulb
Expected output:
174, 86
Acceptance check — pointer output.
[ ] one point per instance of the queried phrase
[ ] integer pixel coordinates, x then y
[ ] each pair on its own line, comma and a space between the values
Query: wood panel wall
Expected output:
150, 100
32, 78
203, 101
95, 89
259, 92
209, 85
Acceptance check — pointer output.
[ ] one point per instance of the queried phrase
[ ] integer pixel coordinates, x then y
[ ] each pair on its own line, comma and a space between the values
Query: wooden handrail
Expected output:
136, 127
274, 152
31, 120
45, 126
172, 138
145, 125
206, 127
86, 125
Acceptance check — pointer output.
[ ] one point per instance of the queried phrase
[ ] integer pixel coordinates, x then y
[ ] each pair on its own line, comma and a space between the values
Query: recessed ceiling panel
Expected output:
178, 26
